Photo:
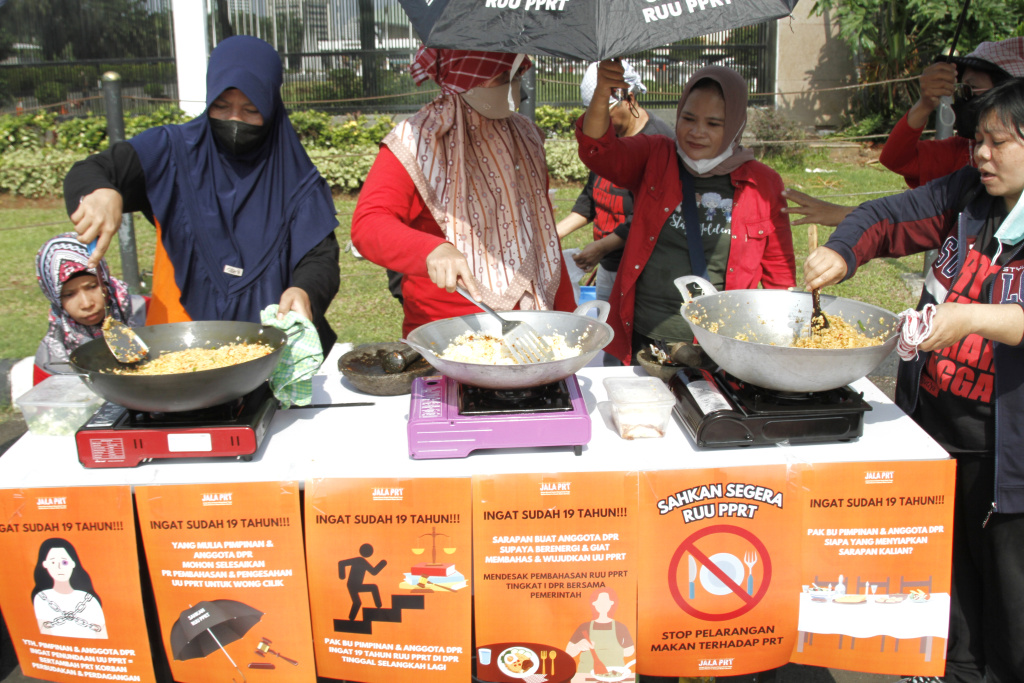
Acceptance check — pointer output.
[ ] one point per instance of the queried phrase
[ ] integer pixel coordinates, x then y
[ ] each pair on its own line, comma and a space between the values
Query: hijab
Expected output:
730, 155
59, 260
484, 180
235, 226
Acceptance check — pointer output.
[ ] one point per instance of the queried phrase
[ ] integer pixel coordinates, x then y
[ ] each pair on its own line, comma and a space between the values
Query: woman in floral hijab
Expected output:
80, 299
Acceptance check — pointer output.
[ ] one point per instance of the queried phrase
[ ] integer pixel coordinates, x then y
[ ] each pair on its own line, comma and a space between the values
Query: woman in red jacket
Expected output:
706, 178
459, 195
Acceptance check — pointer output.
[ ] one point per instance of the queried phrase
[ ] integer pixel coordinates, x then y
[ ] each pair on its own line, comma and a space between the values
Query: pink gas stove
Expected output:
451, 420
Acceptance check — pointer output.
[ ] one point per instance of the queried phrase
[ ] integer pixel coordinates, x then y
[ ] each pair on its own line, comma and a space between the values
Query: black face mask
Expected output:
966, 118
237, 137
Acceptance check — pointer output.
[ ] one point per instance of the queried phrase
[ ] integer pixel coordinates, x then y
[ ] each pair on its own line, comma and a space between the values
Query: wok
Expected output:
186, 391
591, 334
775, 317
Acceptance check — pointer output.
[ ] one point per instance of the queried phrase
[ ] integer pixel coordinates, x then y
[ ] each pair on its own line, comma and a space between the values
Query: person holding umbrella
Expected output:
458, 195
244, 219
962, 375
608, 206
919, 161
703, 206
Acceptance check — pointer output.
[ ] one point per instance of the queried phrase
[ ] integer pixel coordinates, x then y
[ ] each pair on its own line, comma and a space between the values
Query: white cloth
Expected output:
915, 327
869, 619
589, 83
605, 280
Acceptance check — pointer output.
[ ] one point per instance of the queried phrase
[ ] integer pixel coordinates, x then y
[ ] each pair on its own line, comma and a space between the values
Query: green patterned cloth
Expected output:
291, 380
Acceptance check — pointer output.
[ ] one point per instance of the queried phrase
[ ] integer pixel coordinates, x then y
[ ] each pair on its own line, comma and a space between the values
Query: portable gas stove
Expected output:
118, 437
720, 411
450, 420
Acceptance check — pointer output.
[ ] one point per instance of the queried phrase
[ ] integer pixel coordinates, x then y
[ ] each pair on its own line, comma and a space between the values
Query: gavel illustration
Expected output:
263, 649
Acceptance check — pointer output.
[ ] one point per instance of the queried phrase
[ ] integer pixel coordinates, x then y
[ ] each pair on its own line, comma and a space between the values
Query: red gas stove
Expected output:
118, 437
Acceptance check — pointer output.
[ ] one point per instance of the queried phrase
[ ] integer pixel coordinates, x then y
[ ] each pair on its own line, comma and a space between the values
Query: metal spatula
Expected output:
123, 342
523, 342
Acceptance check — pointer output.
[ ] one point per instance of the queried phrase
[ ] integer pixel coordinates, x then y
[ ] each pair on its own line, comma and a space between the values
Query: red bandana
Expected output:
457, 71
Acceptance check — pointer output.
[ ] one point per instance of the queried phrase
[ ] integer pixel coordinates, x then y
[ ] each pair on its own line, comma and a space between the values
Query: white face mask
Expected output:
702, 166
1011, 230
495, 102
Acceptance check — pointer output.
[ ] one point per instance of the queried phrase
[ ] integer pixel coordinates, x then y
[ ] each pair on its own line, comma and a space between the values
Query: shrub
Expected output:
25, 132
342, 151
557, 122
871, 124
344, 171
31, 173
311, 126
87, 134
359, 130
133, 125
564, 161
775, 134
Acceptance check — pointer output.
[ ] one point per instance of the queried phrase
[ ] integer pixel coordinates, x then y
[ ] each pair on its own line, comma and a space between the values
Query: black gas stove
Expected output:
720, 411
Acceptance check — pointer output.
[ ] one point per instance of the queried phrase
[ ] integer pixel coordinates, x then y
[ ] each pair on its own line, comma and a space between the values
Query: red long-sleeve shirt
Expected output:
393, 227
920, 161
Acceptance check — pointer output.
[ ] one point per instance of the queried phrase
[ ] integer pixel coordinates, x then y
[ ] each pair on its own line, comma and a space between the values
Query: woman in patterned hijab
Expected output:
80, 298
459, 195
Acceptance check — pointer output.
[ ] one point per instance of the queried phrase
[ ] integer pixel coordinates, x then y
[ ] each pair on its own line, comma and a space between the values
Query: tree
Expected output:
894, 39
87, 29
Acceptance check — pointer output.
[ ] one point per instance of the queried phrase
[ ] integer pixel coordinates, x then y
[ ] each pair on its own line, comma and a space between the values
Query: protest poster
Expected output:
555, 565
69, 584
720, 552
228, 575
875, 574
389, 578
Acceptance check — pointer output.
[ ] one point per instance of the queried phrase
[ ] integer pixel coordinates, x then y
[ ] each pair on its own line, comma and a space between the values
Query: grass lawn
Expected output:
364, 310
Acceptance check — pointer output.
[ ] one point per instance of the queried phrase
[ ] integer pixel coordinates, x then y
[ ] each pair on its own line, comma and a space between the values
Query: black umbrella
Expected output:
580, 29
208, 626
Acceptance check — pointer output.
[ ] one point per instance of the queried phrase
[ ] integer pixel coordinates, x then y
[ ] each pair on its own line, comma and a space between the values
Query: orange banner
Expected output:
720, 549
229, 578
389, 564
877, 540
69, 584
555, 564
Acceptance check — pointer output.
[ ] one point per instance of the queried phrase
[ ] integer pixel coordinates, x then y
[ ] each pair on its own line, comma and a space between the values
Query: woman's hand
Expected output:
936, 81
609, 75
822, 268
98, 217
588, 257
952, 322
814, 210
574, 649
447, 267
295, 299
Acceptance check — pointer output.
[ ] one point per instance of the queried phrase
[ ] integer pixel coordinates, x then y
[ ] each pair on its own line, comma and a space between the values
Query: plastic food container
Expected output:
641, 406
58, 405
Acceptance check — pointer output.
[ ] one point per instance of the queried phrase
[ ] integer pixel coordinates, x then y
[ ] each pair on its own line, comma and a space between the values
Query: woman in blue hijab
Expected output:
243, 216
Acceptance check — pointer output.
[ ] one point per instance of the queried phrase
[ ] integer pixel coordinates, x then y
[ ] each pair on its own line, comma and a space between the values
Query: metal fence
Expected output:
340, 56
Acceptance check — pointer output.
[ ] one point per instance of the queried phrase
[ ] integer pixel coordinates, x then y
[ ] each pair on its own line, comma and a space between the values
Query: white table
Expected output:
372, 441
926, 620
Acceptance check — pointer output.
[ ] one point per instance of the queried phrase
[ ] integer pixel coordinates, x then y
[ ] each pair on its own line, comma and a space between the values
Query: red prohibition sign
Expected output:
689, 545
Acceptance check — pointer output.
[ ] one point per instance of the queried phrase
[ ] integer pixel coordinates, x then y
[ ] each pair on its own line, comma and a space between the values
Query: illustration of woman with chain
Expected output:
65, 602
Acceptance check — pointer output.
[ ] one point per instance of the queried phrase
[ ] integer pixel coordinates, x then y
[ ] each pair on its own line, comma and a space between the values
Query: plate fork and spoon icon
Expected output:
729, 565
